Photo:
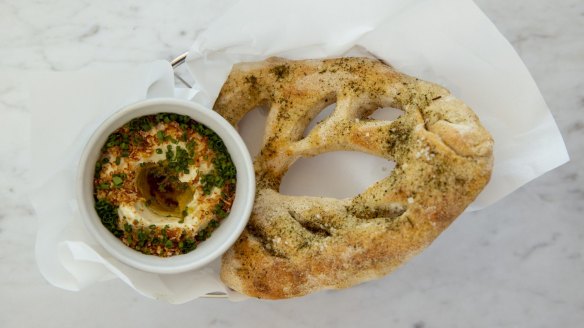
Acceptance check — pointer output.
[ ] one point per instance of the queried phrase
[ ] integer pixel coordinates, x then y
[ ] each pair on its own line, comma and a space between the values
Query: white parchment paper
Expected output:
450, 42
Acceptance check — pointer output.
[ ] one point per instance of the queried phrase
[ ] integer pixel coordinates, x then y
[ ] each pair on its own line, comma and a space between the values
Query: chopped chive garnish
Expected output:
117, 181
103, 186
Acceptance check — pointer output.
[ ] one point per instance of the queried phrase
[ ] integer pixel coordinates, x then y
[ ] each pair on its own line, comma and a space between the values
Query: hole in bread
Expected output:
252, 129
386, 114
315, 229
310, 226
265, 241
326, 112
390, 211
339, 174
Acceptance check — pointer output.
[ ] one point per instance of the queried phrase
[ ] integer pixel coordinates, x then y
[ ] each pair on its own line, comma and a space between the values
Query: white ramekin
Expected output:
229, 229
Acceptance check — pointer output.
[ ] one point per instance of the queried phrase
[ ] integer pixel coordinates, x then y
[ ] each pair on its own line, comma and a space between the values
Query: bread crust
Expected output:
295, 245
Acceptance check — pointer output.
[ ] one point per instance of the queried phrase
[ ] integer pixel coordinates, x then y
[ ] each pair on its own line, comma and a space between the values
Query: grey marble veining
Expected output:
518, 263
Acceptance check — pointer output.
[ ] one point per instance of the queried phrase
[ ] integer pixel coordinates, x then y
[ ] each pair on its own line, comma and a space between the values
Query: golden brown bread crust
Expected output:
293, 245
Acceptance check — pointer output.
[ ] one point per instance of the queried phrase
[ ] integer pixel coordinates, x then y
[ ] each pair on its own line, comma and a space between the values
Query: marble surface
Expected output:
518, 263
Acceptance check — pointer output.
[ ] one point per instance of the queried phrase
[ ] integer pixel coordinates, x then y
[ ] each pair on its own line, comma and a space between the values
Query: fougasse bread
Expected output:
296, 245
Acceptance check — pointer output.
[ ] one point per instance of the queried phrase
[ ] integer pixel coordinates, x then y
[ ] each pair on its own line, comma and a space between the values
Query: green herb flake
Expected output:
117, 181
220, 212
160, 136
103, 186
188, 245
